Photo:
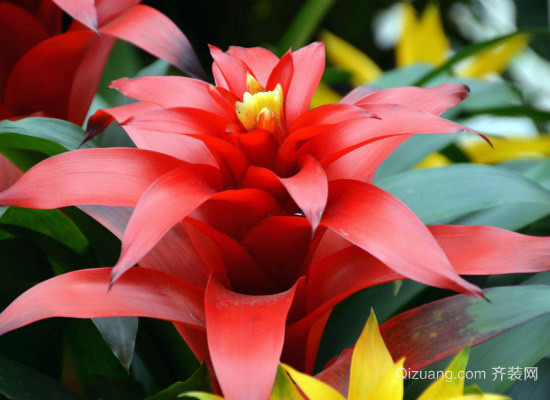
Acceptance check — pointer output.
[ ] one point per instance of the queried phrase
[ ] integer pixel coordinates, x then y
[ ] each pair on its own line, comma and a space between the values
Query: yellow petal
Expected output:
312, 388
434, 160
324, 95
370, 362
494, 59
347, 57
201, 396
422, 40
508, 150
450, 384
390, 387
284, 388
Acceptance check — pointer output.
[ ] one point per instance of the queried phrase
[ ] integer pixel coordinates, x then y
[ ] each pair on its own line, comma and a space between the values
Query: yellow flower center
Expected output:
260, 108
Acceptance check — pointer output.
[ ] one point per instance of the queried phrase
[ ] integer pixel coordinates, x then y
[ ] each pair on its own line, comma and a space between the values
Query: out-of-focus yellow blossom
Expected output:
422, 39
508, 149
494, 59
435, 160
351, 59
375, 376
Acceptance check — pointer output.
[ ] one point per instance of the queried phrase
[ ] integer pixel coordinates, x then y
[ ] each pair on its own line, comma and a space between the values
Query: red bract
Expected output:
262, 206
49, 73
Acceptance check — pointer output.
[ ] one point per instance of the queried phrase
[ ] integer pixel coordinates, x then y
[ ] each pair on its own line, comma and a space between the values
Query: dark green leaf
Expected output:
28, 141
302, 28
199, 381
18, 382
120, 334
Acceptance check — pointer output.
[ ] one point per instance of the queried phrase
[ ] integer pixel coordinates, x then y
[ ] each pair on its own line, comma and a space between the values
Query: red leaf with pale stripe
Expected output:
382, 225
113, 176
245, 337
83, 294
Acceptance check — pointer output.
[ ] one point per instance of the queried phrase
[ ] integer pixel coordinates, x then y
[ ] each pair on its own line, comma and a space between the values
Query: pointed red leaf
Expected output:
282, 74
170, 91
9, 173
329, 114
434, 100
86, 79
309, 189
107, 10
19, 31
485, 250
309, 65
113, 176
261, 61
224, 254
245, 337
155, 33
83, 11
83, 294
42, 79
392, 120
280, 245
182, 120
167, 201
361, 164
338, 276
381, 224
232, 69
174, 254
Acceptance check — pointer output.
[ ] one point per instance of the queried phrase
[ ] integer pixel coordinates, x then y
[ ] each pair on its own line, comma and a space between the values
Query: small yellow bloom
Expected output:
375, 376
349, 58
508, 149
422, 40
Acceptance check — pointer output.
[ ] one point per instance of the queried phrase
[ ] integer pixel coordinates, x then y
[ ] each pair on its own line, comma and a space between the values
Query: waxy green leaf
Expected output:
439, 195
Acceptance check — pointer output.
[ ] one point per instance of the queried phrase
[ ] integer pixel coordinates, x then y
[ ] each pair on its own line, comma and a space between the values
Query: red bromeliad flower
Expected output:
48, 73
252, 215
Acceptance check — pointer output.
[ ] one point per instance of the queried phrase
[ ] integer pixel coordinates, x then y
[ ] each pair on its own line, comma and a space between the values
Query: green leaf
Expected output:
120, 334
92, 357
304, 24
52, 223
403, 76
441, 328
439, 195
411, 152
520, 347
199, 381
19, 382
470, 51
28, 141
533, 389
514, 216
